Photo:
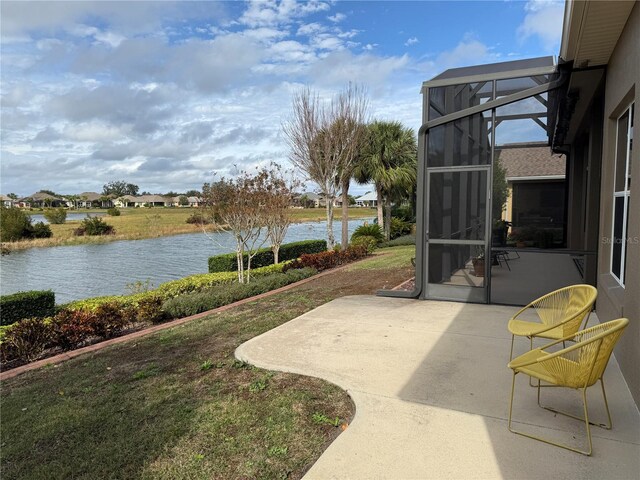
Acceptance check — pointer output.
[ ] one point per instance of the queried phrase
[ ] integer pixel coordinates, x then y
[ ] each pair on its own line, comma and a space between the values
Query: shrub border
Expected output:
61, 357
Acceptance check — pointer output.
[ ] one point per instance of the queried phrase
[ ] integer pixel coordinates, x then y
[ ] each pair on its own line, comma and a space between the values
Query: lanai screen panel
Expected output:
460, 156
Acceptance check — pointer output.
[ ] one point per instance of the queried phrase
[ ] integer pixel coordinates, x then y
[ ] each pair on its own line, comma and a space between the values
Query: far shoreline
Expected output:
62, 236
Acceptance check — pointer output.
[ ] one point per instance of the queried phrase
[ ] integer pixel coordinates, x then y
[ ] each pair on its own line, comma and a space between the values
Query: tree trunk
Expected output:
240, 264
276, 253
387, 220
331, 239
345, 214
379, 205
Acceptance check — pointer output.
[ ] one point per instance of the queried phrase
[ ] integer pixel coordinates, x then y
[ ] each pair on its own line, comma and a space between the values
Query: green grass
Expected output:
177, 404
387, 258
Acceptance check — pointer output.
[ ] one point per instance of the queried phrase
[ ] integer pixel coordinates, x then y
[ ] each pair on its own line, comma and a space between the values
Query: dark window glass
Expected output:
621, 152
618, 241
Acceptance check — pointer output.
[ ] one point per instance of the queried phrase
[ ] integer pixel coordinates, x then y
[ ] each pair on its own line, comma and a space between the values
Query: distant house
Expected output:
536, 184
125, 201
369, 199
194, 201
93, 199
6, 201
152, 201
41, 200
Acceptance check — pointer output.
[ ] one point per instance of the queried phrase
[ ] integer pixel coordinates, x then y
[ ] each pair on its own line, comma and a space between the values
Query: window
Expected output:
621, 194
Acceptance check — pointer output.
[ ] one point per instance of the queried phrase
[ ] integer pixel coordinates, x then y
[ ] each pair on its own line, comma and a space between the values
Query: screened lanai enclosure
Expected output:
467, 249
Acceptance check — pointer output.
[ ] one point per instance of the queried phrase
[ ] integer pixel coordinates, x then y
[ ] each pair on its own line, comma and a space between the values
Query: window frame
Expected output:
625, 194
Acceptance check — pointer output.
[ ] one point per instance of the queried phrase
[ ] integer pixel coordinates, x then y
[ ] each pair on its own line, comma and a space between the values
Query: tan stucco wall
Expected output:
622, 87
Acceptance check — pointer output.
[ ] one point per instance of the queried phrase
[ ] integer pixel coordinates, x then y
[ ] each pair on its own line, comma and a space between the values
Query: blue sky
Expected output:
163, 94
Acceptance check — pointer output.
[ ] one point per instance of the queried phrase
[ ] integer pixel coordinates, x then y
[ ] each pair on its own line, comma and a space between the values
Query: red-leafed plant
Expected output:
330, 259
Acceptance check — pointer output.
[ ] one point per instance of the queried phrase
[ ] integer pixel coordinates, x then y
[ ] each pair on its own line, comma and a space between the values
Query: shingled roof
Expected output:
532, 162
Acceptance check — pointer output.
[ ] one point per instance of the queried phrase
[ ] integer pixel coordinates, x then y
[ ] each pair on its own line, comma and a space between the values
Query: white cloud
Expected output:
339, 68
411, 41
272, 12
370, 46
467, 52
309, 29
543, 20
337, 18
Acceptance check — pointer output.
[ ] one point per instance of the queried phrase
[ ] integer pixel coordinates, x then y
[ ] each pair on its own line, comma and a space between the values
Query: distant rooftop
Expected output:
528, 162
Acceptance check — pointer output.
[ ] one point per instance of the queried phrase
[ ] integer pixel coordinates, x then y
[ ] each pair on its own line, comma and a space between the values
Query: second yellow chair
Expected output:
559, 314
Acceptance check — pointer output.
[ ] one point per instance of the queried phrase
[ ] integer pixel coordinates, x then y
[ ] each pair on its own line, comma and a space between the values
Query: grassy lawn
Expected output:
177, 404
137, 223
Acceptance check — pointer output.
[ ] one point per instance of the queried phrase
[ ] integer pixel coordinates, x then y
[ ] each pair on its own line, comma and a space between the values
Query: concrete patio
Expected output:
431, 388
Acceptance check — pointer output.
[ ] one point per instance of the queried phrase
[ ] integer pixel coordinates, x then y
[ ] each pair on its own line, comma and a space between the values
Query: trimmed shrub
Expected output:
148, 309
198, 219
26, 340
113, 212
370, 243
94, 226
370, 230
191, 304
404, 240
55, 216
326, 260
40, 230
31, 304
399, 228
264, 257
14, 224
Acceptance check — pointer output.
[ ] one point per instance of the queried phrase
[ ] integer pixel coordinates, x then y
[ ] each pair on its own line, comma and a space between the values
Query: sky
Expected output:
165, 94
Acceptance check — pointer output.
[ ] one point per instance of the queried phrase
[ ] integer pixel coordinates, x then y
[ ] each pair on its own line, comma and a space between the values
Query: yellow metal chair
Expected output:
560, 314
578, 366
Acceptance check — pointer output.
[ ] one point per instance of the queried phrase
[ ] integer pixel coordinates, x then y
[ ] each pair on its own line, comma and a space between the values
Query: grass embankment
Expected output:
139, 223
176, 404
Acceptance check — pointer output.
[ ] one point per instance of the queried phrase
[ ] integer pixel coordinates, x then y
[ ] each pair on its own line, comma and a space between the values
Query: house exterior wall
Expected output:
622, 88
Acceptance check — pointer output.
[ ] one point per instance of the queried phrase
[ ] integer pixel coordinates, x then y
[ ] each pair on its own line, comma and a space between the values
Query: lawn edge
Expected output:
61, 357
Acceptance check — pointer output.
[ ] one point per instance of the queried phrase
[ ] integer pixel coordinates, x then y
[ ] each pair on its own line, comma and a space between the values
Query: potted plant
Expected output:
478, 262
499, 232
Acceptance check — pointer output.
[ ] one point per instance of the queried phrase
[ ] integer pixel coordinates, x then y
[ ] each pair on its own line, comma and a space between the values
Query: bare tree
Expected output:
324, 141
238, 206
350, 132
278, 208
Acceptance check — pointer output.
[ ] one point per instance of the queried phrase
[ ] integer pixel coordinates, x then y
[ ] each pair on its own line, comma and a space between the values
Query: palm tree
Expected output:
388, 160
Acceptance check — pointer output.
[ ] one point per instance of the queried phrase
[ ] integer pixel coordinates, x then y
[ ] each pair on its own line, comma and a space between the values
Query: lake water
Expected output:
82, 271
38, 217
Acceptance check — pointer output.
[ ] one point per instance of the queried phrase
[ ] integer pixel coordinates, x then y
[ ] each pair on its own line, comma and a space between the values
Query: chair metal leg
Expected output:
511, 354
582, 419
531, 379
545, 440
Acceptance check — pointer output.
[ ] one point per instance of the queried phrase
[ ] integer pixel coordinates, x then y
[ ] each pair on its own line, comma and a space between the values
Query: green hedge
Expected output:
264, 256
171, 289
197, 302
34, 303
